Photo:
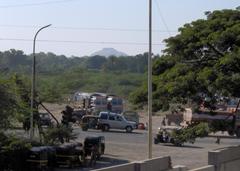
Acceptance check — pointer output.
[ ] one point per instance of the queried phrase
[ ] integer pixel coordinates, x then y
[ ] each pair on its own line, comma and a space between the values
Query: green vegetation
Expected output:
190, 133
202, 61
59, 76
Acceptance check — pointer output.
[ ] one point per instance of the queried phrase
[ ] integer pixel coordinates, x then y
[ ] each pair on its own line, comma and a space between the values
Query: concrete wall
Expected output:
205, 168
179, 168
123, 167
156, 164
226, 159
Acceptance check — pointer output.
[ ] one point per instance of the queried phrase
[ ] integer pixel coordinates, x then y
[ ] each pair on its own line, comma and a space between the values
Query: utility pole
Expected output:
33, 83
150, 84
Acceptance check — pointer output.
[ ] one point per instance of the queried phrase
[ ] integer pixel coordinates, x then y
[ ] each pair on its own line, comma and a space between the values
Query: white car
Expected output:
108, 120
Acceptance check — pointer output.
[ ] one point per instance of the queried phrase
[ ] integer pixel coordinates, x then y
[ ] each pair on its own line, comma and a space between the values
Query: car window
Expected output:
111, 117
104, 101
119, 118
114, 101
98, 102
120, 102
103, 116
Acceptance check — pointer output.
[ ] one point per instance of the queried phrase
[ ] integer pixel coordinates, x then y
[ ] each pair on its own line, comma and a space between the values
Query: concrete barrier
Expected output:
179, 168
226, 159
156, 164
123, 167
205, 168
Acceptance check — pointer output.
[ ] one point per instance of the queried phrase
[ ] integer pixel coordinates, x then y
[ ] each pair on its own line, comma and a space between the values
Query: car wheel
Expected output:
230, 132
105, 128
129, 129
84, 128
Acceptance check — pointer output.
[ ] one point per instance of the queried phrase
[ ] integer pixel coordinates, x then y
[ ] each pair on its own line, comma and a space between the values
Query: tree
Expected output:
7, 103
203, 60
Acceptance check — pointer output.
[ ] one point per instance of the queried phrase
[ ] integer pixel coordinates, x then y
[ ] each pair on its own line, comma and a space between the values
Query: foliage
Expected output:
190, 133
59, 76
13, 153
202, 61
56, 135
220, 125
7, 103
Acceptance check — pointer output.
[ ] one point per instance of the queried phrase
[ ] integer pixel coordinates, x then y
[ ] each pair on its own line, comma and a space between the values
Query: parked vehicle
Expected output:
45, 119
164, 135
108, 120
41, 158
131, 116
69, 155
222, 120
89, 122
94, 147
116, 103
77, 115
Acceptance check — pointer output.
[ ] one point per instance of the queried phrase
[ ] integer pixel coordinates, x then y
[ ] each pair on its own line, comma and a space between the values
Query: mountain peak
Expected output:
109, 52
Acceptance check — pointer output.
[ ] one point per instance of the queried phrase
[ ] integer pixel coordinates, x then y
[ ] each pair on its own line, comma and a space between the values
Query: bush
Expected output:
190, 133
57, 135
13, 153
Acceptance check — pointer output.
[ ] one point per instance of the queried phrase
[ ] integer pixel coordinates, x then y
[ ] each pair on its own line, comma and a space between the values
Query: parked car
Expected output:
89, 121
77, 115
45, 119
108, 120
94, 147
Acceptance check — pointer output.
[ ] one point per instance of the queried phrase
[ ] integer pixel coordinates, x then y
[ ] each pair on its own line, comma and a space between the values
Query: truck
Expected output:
96, 102
218, 120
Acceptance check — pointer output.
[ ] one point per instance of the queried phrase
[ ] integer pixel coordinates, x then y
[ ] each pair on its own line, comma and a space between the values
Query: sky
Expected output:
81, 27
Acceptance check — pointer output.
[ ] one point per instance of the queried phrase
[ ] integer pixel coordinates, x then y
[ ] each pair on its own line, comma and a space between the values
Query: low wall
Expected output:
205, 168
123, 167
179, 168
156, 164
226, 159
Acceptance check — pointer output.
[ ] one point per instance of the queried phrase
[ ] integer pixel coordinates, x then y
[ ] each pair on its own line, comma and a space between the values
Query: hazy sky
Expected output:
81, 27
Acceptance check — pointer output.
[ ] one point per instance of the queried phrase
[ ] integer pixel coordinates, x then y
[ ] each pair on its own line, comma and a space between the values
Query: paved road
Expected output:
122, 147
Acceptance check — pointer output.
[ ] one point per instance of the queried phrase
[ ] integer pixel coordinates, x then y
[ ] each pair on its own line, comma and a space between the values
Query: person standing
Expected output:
164, 122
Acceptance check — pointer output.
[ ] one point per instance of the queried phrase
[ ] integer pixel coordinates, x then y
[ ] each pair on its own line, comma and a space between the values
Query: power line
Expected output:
163, 20
80, 42
90, 28
35, 4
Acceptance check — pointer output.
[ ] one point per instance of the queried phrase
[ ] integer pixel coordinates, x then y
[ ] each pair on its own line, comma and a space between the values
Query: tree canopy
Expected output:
203, 60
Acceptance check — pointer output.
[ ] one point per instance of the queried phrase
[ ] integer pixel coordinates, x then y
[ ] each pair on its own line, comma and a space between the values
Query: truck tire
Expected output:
129, 129
156, 141
230, 132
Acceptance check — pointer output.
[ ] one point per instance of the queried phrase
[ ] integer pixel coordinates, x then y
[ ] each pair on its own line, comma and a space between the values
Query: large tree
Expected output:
203, 60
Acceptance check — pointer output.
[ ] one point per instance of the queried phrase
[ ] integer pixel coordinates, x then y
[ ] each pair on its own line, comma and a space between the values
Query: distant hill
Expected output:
109, 52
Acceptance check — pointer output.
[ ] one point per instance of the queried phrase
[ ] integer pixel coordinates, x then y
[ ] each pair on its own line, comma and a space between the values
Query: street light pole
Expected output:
150, 84
33, 82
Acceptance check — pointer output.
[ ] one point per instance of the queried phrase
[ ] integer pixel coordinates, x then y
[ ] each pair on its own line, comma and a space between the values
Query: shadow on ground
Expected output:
183, 146
105, 161
114, 131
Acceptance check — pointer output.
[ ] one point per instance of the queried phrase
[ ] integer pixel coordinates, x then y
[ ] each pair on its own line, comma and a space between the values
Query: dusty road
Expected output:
133, 146
124, 147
